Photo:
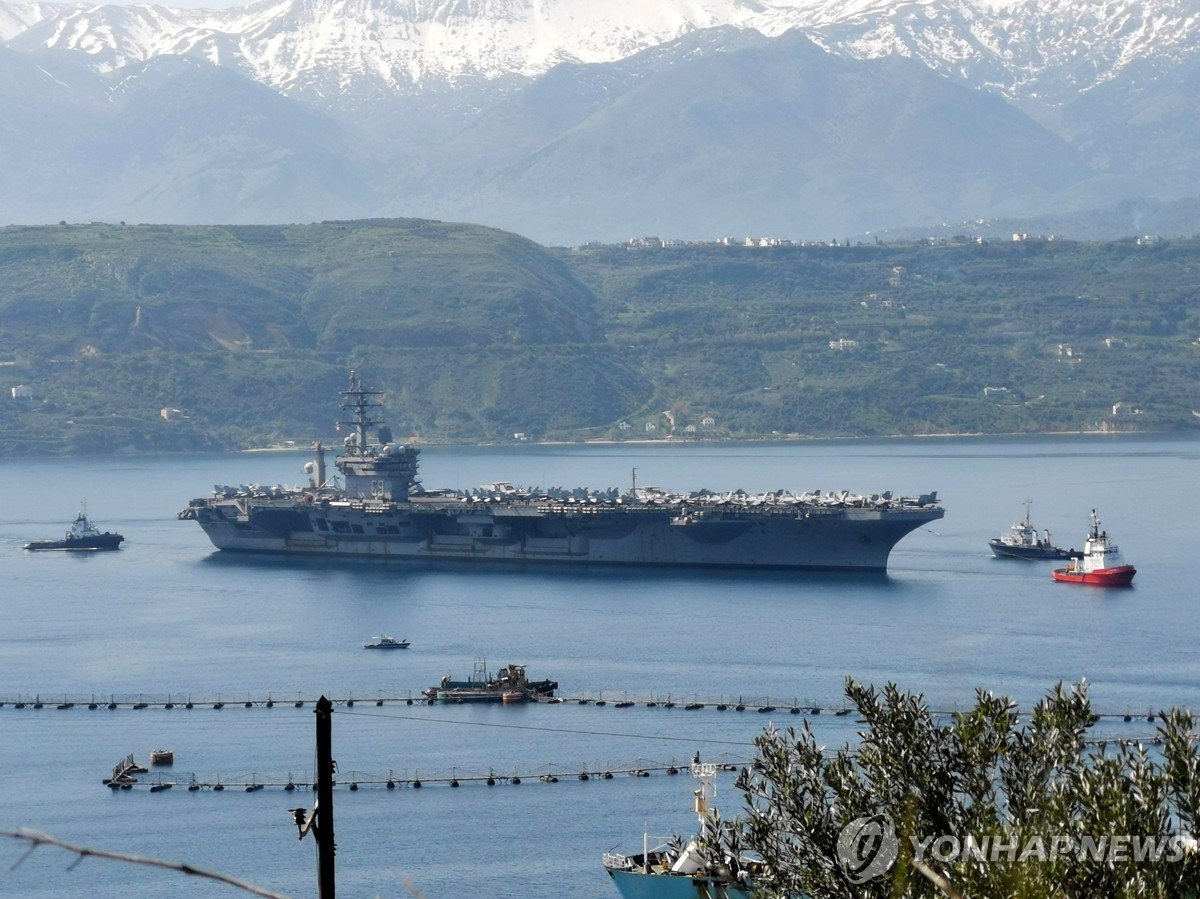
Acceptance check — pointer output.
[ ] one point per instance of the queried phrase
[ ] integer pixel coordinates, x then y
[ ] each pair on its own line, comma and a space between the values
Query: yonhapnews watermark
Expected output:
868, 847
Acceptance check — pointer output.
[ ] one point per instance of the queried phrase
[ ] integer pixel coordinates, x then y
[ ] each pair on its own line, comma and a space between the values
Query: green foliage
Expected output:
1067, 329
475, 334
1037, 789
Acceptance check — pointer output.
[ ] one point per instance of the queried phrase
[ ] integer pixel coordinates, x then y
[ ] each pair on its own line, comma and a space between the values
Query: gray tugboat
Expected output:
381, 510
1022, 542
82, 535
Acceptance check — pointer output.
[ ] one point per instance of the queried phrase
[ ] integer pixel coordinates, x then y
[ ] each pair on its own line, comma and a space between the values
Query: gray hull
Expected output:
529, 533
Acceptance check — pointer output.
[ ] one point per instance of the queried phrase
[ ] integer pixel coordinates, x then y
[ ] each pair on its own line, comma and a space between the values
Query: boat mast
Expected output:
360, 400
706, 773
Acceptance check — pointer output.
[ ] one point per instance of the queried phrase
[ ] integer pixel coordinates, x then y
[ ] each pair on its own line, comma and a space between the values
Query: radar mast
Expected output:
360, 401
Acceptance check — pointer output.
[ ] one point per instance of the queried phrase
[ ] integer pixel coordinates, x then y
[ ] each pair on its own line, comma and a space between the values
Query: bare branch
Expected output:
938, 879
36, 838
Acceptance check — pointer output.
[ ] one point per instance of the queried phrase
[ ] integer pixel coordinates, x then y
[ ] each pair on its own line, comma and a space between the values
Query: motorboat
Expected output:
385, 642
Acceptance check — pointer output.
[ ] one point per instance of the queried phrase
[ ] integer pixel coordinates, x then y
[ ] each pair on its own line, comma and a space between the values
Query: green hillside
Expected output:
1019, 336
167, 338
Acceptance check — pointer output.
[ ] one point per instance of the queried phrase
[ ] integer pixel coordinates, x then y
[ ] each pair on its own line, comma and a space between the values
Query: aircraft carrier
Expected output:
381, 510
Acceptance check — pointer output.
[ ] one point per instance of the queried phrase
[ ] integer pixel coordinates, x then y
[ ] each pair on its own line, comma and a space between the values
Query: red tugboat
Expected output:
1099, 564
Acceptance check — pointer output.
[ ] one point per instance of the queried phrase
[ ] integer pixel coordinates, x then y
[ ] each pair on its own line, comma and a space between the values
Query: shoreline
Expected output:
334, 449
776, 439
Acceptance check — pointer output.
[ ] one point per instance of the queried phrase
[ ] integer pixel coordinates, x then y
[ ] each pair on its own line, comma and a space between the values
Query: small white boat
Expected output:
385, 642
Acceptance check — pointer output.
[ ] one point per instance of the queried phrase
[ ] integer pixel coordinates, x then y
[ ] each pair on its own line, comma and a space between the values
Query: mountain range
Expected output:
568, 122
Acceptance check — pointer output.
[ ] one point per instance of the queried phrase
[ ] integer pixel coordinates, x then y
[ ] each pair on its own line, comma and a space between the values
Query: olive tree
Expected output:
984, 803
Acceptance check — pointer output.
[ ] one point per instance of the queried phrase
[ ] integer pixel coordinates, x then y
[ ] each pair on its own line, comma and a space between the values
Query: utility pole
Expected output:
324, 831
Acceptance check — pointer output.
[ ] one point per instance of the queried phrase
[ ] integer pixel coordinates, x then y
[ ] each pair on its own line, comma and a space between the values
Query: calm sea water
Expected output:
168, 617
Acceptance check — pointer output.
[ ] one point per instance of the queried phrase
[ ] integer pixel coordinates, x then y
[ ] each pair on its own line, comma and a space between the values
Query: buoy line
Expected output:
762, 705
353, 780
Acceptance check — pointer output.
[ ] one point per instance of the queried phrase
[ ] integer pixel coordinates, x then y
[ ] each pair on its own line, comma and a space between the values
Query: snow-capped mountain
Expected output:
519, 112
16, 17
338, 45
1050, 49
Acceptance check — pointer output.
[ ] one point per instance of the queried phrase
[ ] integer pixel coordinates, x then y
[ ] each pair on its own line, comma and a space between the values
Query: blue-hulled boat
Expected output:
674, 870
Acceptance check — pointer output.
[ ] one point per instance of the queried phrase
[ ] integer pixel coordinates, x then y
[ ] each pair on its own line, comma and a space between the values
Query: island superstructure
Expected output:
380, 509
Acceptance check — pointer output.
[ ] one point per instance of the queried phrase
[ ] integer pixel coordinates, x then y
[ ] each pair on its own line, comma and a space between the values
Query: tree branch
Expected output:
938, 879
36, 838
